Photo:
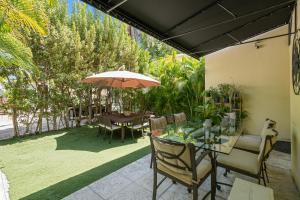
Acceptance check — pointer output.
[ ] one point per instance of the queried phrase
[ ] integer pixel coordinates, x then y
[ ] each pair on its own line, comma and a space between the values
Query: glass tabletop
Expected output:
217, 139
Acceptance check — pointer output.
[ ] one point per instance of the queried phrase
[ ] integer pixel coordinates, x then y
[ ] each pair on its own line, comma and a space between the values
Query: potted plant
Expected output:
214, 94
227, 90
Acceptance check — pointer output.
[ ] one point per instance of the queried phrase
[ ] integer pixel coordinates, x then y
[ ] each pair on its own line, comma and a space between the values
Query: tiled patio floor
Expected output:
134, 182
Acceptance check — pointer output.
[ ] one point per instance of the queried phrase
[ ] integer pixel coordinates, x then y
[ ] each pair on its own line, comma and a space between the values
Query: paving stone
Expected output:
84, 194
134, 182
133, 192
110, 185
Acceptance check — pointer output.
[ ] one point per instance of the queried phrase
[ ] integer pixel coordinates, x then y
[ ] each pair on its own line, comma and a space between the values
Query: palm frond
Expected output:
24, 13
13, 52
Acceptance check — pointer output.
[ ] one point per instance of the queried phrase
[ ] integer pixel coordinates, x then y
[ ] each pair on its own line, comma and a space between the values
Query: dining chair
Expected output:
138, 124
157, 125
179, 162
251, 142
179, 118
101, 125
108, 126
170, 119
245, 162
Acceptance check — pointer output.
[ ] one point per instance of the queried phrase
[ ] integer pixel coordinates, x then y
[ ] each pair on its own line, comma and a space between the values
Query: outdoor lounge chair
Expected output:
251, 143
179, 162
156, 127
107, 125
179, 118
245, 162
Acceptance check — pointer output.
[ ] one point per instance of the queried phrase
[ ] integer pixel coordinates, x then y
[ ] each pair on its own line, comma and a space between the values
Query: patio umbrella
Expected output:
121, 79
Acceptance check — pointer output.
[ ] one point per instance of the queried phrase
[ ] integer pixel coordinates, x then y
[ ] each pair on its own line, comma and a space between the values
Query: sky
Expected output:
70, 2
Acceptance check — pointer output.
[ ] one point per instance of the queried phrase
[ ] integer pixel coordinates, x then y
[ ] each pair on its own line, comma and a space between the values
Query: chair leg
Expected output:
263, 177
111, 134
154, 185
195, 192
225, 173
151, 161
104, 136
266, 172
132, 134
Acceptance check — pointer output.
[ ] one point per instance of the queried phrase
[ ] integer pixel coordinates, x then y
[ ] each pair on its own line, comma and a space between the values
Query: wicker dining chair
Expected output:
138, 124
179, 118
107, 125
156, 126
179, 162
245, 162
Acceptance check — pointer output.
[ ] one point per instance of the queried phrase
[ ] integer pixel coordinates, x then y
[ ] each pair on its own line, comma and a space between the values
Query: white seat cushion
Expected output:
202, 169
241, 160
102, 125
113, 127
249, 142
138, 126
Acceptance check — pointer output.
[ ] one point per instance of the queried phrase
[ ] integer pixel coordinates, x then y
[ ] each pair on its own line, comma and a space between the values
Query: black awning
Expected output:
199, 27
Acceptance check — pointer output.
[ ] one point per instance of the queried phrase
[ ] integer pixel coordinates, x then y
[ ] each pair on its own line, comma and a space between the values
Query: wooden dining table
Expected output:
122, 119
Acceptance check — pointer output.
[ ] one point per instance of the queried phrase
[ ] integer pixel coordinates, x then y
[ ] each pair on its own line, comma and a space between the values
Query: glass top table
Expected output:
216, 139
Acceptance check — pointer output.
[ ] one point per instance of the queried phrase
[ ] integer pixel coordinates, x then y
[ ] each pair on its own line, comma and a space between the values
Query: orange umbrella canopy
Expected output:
121, 79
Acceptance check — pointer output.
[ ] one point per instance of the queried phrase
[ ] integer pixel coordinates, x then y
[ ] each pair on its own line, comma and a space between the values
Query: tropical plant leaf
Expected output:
25, 13
13, 52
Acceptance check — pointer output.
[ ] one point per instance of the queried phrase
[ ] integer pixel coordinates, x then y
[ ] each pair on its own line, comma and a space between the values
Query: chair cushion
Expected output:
202, 169
139, 126
113, 127
242, 160
249, 142
102, 125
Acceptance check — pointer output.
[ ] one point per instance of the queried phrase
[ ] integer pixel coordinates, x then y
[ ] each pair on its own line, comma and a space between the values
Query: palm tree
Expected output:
16, 18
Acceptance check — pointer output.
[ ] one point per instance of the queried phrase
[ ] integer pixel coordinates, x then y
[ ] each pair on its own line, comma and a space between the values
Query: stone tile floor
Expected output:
134, 182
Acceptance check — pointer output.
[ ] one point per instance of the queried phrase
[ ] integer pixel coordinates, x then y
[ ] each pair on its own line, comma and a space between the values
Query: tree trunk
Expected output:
80, 112
15, 122
40, 122
66, 118
47, 120
100, 106
90, 107
54, 117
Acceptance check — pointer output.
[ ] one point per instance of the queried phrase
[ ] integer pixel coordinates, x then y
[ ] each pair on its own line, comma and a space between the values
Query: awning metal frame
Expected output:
121, 14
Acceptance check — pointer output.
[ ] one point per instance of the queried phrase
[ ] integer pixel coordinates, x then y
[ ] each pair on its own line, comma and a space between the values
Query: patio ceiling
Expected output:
201, 27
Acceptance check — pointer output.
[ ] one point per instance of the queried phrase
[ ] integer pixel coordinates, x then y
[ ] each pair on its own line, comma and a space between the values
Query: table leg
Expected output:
123, 132
213, 176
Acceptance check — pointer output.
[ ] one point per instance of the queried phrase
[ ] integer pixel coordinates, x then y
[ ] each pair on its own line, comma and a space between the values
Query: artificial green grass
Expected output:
56, 164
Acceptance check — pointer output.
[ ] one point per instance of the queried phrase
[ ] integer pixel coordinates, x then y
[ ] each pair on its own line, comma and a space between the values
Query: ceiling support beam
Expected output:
247, 42
226, 10
115, 6
236, 28
231, 20
191, 16
233, 38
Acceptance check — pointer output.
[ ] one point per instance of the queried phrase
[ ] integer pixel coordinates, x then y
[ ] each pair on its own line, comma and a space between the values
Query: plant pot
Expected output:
226, 99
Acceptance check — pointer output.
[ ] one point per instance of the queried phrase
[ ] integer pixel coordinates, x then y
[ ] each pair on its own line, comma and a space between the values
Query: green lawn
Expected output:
53, 165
